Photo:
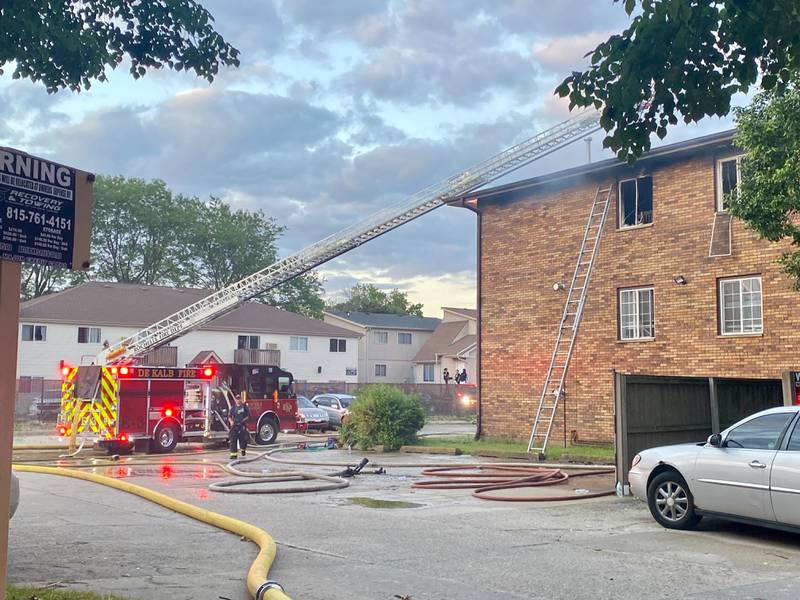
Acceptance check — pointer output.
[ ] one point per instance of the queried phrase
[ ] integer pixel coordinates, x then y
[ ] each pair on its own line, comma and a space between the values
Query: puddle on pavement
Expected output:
375, 503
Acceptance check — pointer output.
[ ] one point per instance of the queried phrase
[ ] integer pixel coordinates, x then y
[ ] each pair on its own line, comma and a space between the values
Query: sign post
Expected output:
45, 218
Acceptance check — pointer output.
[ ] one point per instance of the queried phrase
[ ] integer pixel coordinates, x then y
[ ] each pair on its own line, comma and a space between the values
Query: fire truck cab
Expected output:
130, 407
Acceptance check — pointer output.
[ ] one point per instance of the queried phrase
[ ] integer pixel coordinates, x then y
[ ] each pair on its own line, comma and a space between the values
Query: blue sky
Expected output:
338, 109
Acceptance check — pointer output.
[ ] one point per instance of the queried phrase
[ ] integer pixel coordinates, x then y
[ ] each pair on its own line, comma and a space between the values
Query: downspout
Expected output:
472, 204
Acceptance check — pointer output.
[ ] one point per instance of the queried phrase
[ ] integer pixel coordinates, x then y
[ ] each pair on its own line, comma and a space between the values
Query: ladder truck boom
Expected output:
432, 197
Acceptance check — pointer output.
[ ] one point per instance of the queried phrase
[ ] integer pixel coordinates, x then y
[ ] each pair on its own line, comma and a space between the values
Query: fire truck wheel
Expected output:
267, 431
165, 439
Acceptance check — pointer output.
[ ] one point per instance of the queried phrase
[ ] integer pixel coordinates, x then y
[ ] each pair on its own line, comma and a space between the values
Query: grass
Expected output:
471, 418
468, 445
33, 593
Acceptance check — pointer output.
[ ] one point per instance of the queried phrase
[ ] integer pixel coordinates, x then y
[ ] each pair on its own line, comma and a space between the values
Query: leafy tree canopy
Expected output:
69, 43
684, 59
768, 198
366, 297
144, 233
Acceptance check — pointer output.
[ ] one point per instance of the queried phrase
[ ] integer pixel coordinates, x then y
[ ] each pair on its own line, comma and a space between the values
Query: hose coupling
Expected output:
266, 586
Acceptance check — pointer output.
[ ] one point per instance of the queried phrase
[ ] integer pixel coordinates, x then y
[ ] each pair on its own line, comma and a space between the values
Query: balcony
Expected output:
166, 356
250, 356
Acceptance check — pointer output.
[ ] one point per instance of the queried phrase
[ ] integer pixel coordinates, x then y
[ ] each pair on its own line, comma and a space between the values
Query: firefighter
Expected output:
238, 433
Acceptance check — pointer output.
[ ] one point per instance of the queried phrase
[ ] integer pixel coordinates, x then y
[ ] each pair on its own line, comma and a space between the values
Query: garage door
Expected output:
655, 411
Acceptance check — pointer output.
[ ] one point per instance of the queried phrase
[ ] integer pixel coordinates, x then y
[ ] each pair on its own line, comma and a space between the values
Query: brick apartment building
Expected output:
664, 299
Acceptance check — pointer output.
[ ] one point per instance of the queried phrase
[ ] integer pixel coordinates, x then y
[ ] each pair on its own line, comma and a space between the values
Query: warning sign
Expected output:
42, 205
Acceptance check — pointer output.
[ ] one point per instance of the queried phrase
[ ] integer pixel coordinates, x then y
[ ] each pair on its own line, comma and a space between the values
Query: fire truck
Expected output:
127, 407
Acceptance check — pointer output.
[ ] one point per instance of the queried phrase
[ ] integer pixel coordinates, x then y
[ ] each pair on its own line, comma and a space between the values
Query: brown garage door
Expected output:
655, 411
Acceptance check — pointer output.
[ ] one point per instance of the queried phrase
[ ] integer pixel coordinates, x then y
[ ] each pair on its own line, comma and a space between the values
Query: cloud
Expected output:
565, 54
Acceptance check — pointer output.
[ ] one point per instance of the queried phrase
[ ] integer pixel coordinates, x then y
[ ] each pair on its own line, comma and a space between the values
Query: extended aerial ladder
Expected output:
219, 302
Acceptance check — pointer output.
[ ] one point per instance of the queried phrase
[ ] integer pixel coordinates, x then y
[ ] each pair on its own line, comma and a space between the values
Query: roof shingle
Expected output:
387, 321
132, 305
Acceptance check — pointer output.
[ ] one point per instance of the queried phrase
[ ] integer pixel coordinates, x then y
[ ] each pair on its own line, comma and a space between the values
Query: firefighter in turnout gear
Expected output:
240, 413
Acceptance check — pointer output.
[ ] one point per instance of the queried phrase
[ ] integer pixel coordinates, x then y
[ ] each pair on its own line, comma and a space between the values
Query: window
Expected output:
740, 306
89, 335
728, 179
404, 338
761, 433
381, 337
380, 370
323, 401
635, 202
794, 441
427, 373
34, 333
248, 342
636, 318
298, 343
338, 345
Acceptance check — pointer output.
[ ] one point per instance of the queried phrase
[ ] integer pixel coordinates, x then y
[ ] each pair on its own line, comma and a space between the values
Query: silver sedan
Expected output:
336, 405
750, 473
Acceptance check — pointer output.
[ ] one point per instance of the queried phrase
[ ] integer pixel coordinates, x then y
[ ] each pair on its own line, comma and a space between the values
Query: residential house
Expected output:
388, 343
681, 297
72, 325
453, 346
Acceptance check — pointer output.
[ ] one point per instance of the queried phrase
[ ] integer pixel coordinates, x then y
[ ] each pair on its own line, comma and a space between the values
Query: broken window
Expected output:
635, 202
728, 179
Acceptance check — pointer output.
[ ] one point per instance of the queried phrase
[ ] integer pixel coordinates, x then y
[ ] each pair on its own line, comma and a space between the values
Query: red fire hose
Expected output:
483, 481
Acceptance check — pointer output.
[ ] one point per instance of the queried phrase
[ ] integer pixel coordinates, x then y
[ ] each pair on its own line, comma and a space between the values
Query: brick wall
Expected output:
530, 243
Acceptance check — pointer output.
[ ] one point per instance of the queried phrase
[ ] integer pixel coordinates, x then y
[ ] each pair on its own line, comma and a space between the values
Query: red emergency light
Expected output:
62, 431
123, 437
168, 412
64, 371
207, 372
125, 371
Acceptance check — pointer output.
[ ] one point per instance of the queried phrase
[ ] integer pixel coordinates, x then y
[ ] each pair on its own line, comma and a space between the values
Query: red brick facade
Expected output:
530, 240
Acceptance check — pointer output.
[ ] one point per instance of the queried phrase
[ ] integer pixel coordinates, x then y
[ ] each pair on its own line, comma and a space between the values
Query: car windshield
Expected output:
303, 402
346, 400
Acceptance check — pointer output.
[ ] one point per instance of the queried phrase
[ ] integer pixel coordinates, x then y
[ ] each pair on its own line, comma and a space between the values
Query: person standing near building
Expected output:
238, 434
446, 376
464, 375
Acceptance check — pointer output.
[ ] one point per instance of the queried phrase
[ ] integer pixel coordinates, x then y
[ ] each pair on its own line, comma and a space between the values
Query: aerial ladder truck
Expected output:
123, 404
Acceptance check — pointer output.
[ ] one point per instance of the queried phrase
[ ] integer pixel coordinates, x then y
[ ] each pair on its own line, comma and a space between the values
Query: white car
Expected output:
750, 473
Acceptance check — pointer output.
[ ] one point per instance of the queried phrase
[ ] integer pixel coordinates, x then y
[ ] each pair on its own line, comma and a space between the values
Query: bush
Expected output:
382, 415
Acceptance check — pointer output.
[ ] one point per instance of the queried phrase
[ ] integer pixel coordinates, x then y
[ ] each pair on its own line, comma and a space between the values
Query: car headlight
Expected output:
636, 460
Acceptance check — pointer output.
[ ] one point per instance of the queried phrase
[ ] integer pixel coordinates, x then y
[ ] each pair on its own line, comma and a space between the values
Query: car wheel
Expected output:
267, 431
671, 502
165, 439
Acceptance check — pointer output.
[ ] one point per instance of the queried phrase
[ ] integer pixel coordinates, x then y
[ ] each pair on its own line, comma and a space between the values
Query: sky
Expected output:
337, 110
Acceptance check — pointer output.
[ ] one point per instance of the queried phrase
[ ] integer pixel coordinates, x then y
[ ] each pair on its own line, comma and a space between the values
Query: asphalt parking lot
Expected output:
443, 545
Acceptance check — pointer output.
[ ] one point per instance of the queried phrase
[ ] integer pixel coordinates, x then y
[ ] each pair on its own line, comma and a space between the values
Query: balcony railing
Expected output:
250, 356
166, 356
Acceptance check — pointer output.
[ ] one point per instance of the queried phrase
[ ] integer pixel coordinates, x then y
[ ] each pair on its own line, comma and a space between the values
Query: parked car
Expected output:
336, 405
750, 473
309, 416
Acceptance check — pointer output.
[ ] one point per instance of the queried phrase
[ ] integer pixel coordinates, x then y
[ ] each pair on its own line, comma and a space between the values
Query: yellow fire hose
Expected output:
258, 584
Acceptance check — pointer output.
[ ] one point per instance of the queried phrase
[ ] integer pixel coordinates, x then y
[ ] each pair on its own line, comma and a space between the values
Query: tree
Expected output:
38, 280
69, 43
366, 297
768, 198
140, 232
227, 245
684, 58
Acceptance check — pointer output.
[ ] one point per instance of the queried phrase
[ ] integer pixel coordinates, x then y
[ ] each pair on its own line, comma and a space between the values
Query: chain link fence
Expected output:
437, 399
37, 399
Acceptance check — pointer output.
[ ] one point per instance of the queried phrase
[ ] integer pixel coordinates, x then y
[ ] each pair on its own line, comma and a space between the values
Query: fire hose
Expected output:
495, 478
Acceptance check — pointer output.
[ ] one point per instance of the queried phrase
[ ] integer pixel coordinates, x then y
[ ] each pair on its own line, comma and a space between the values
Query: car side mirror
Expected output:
715, 440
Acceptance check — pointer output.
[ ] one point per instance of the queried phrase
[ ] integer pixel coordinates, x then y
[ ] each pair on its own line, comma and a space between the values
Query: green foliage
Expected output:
383, 415
365, 297
684, 58
144, 233
29, 593
768, 198
69, 43
140, 233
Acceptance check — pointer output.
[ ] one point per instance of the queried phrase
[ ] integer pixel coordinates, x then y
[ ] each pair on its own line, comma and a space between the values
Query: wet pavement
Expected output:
358, 542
